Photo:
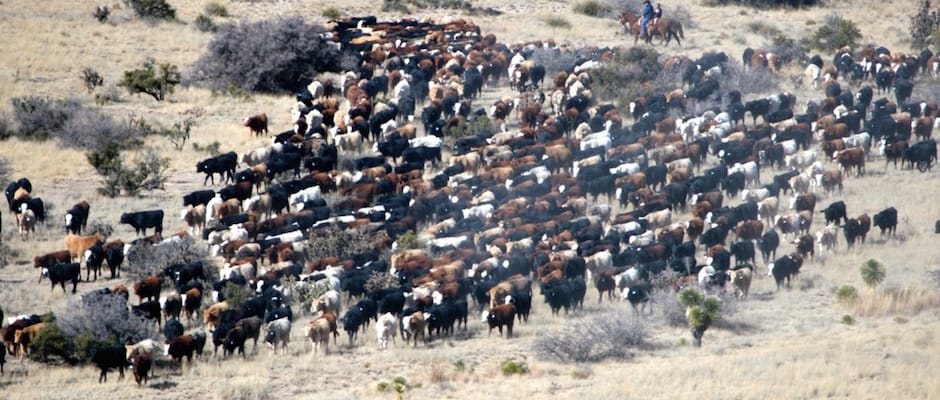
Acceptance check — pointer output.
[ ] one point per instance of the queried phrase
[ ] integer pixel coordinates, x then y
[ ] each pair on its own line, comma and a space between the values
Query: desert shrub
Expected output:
213, 149
762, 28
556, 22
626, 73
105, 158
473, 125
5, 171
511, 366
148, 172
924, 25
405, 241
97, 319
398, 385
555, 60
6, 126
216, 9
205, 24
835, 33
381, 280
152, 9
847, 295
101, 13
293, 50
593, 339
591, 8
90, 129
91, 79
338, 242
235, 295
178, 134
848, 320
331, 13
234, 92
38, 117
156, 80
789, 49
146, 260
753, 80
873, 272
701, 311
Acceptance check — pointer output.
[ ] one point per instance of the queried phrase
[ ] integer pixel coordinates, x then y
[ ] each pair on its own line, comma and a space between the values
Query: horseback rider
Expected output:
657, 13
647, 13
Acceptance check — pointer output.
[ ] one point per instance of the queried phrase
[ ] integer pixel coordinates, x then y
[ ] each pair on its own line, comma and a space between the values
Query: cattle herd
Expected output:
541, 198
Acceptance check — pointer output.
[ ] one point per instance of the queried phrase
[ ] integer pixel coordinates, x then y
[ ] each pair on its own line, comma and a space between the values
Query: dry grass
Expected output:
778, 344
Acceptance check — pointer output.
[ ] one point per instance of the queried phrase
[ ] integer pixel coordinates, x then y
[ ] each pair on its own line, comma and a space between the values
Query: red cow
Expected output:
257, 123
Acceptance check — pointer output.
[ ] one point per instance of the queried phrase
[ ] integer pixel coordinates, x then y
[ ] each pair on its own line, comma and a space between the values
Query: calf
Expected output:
278, 333
497, 317
257, 124
741, 279
141, 364
638, 295
110, 357
318, 331
385, 329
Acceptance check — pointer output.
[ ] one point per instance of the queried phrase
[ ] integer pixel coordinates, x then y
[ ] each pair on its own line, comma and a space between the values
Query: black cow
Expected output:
181, 274
141, 220
222, 164
149, 310
76, 218
923, 154
768, 243
61, 273
198, 197
172, 329
886, 220
742, 251
639, 295
713, 236
757, 108
110, 357
13, 187
852, 230
835, 213
786, 268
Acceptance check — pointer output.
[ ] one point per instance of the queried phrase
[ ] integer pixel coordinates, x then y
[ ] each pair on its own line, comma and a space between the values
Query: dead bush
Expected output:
611, 335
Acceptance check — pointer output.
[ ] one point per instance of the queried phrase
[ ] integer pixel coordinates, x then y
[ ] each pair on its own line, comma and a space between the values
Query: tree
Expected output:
873, 272
700, 311
924, 24
153, 79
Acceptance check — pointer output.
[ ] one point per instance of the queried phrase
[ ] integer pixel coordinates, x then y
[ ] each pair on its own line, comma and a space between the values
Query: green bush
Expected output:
147, 173
512, 366
152, 9
848, 320
701, 312
235, 295
847, 295
627, 73
591, 8
835, 33
153, 79
407, 240
873, 272
52, 346
293, 50
331, 13
216, 9
205, 24
557, 22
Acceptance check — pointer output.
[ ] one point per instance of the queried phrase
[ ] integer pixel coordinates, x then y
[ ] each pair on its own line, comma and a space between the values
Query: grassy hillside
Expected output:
778, 344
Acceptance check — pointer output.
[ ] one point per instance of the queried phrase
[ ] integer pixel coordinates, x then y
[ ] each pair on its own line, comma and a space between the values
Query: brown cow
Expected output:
831, 147
497, 317
864, 224
749, 230
77, 245
142, 363
854, 157
148, 288
831, 179
257, 124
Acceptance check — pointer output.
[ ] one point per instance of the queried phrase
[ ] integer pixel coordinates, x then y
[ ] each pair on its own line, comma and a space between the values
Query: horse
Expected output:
667, 29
